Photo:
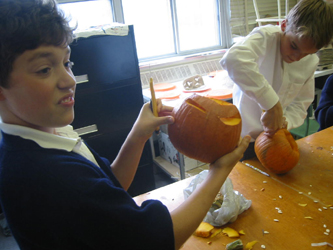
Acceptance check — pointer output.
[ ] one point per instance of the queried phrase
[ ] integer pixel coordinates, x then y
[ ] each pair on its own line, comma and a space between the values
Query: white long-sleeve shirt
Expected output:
262, 79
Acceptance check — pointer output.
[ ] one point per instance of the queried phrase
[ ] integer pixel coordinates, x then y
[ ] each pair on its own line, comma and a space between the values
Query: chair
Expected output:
309, 126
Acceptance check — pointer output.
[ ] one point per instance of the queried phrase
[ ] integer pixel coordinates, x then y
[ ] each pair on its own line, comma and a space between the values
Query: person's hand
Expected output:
163, 110
272, 120
147, 123
230, 160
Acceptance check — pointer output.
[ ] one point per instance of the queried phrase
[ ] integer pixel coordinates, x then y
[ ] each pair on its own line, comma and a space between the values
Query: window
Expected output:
197, 24
163, 28
153, 27
87, 13
168, 28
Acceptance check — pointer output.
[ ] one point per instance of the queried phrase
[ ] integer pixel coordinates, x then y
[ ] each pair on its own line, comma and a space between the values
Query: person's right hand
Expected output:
146, 123
272, 120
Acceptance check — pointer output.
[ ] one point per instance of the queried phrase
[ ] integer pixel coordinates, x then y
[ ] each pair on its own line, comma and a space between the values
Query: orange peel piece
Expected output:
232, 233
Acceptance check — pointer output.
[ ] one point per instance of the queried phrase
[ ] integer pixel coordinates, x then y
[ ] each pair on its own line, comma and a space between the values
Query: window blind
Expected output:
243, 16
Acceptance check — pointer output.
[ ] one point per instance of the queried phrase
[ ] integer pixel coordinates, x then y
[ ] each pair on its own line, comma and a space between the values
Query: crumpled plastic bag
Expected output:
234, 203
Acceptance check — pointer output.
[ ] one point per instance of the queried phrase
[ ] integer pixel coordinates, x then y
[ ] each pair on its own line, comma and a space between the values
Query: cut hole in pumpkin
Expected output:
221, 102
291, 140
230, 121
195, 105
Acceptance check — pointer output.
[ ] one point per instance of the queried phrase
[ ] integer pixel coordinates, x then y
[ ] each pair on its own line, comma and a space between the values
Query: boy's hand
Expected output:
272, 120
230, 160
146, 122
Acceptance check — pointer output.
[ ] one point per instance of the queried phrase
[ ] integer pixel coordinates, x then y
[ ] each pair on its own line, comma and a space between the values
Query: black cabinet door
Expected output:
109, 109
110, 98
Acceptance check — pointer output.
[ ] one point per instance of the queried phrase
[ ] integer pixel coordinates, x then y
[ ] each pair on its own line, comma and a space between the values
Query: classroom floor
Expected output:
196, 171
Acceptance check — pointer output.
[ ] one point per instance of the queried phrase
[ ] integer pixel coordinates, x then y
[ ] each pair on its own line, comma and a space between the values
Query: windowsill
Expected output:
177, 60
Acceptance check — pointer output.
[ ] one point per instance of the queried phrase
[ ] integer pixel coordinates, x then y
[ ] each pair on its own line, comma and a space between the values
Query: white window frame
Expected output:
237, 18
225, 31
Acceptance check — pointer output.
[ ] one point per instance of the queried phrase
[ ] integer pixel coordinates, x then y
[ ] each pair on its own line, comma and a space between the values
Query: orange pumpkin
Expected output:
279, 153
205, 129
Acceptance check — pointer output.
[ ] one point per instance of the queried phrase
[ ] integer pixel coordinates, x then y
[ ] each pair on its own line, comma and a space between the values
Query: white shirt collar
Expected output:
66, 139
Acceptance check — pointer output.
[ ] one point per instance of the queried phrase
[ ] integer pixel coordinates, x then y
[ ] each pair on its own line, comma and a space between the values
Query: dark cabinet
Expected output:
109, 98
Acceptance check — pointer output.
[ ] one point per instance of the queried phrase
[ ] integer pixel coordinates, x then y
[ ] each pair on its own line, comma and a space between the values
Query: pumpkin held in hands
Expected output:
205, 129
279, 153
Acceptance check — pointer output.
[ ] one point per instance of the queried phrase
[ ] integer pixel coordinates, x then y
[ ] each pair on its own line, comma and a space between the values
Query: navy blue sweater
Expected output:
54, 199
324, 111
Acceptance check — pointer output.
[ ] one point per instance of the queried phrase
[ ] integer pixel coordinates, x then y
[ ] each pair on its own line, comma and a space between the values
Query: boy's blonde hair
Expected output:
312, 18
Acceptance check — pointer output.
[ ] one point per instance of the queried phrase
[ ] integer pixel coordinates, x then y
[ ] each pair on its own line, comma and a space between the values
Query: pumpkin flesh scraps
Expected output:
204, 230
215, 232
232, 233
250, 245
241, 232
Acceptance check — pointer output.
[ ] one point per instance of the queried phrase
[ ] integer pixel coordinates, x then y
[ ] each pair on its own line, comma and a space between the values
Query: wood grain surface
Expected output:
304, 197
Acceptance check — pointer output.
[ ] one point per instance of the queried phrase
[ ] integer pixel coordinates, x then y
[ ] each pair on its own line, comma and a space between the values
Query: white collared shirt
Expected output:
262, 79
65, 139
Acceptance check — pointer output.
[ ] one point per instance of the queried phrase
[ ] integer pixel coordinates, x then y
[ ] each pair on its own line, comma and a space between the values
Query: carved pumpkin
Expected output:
205, 129
279, 153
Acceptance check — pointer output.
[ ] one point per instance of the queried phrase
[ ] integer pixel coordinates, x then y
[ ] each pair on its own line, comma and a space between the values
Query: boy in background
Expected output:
273, 69
56, 192
324, 111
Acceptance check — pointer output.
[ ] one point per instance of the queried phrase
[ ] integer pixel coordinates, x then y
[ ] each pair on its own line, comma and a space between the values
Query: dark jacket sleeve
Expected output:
324, 111
54, 199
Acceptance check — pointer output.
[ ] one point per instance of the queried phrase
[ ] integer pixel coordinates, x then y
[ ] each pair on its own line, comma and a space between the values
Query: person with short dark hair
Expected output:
324, 111
55, 191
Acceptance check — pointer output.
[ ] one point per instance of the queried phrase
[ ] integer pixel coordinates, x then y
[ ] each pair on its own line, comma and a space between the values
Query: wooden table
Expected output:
310, 183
